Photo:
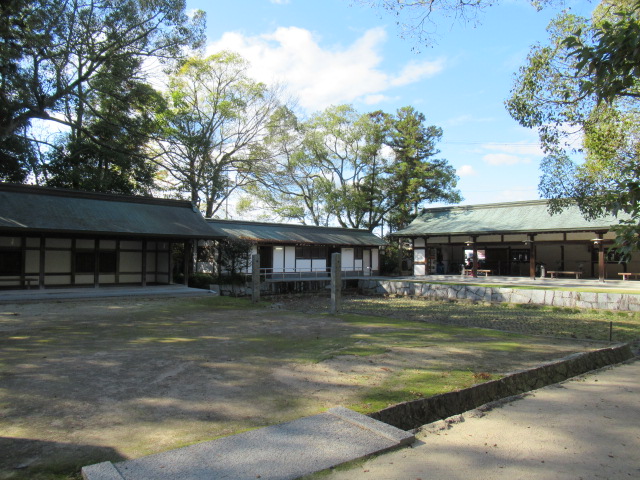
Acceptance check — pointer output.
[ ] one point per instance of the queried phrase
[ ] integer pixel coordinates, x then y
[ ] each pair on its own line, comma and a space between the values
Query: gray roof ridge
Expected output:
291, 225
479, 206
112, 197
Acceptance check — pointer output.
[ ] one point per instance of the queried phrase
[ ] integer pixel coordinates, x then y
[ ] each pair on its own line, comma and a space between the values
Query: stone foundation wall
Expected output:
409, 415
556, 298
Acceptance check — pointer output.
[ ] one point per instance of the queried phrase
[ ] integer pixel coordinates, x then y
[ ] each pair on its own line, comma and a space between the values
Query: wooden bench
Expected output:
626, 275
27, 280
469, 271
555, 273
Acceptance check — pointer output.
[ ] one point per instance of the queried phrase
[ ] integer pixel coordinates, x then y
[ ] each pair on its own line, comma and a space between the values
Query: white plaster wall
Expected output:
151, 262
290, 259
58, 242
375, 259
574, 255
318, 265
130, 261
84, 279
278, 259
131, 245
9, 241
57, 262
129, 278
418, 242
357, 265
85, 244
163, 262
347, 259
57, 280
366, 262
32, 262
303, 265
419, 269
107, 244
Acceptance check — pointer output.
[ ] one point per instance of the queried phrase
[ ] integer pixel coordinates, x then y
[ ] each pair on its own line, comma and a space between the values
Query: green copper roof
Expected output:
281, 233
514, 217
27, 208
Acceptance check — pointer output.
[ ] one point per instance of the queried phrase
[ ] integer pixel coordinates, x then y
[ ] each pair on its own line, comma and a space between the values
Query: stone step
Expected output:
285, 451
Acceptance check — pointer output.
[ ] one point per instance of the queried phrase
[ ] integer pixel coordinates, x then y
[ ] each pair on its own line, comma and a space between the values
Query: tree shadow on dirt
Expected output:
26, 458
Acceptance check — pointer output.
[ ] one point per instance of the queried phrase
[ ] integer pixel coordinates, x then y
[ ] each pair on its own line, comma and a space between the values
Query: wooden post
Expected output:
41, 263
96, 263
255, 278
474, 266
336, 282
601, 264
143, 276
532, 257
187, 261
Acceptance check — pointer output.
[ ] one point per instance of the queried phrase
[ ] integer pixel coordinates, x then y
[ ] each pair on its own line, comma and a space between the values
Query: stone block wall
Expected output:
413, 414
556, 298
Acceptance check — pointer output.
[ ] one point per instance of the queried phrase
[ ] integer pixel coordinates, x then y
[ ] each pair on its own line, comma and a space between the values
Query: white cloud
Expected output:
465, 119
515, 194
497, 159
515, 148
466, 171
375, 99
416, 71
321, 76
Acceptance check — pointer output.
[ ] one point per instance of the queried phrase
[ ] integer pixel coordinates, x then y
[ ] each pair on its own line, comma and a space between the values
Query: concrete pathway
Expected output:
584, 428
285, 451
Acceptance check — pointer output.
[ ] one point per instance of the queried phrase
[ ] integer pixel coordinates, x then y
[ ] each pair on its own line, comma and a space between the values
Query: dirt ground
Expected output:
94, 380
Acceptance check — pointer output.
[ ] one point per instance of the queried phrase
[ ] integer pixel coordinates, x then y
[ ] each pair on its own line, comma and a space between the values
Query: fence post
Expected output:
336, 282
255, 278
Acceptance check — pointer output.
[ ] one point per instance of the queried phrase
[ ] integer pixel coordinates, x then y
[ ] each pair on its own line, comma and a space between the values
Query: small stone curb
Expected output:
413, 414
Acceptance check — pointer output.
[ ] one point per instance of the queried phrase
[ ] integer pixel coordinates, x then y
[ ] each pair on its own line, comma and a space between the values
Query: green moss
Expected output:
413, 384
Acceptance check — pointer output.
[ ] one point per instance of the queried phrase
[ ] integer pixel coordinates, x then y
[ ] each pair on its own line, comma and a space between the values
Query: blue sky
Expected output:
331, 52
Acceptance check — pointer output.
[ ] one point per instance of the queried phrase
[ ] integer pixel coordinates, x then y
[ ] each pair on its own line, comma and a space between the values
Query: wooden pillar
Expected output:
143, 277
336, 282
601, 265
474, 267
255, 278
96, 263
532, 257
187, 261
42, 264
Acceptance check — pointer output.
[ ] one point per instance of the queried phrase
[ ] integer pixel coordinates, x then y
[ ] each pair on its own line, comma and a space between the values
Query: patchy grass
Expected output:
526, 319
412, 384
94, 380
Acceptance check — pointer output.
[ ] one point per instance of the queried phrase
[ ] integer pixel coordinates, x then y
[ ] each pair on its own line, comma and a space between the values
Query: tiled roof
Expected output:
520, 217
295, 234
28, 208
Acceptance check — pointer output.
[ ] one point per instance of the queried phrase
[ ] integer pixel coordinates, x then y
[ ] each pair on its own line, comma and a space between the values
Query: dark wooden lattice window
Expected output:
10, 262
85, 262
107, 262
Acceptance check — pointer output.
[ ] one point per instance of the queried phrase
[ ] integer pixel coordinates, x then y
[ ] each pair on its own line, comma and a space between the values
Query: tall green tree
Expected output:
585, 101
107, 151
358, 170
216, 116
59, 63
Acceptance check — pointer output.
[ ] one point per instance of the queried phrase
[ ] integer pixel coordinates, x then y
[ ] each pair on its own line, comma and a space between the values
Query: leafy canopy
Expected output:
580, 90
